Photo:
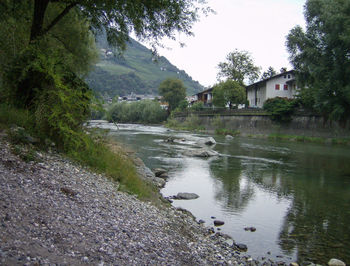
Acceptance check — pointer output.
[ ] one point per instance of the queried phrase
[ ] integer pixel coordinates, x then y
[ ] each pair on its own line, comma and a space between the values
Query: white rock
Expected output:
336, 262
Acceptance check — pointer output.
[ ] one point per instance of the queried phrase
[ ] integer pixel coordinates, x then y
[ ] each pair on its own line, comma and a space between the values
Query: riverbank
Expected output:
194, 125
54, 211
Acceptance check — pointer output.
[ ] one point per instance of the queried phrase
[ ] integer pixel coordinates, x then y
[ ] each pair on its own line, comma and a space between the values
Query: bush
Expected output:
197, 106
280, 109
145, 111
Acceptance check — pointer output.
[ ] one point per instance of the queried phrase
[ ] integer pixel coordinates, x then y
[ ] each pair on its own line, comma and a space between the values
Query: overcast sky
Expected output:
257, 26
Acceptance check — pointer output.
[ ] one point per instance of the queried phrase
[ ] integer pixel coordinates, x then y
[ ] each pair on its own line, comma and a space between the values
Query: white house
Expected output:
280, 85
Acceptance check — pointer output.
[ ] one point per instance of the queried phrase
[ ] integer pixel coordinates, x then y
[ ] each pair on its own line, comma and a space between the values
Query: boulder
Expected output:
169, 140
242, 247
228, 137
209, 141
159, 171
336, 262
186, 196
164, 176
218, 223
202, 153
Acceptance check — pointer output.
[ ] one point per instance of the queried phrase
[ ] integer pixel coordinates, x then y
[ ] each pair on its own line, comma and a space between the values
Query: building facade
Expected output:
281, 85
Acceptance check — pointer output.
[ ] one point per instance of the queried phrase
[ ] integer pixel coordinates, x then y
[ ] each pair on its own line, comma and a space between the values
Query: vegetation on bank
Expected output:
95, 151
144, 112
52, 49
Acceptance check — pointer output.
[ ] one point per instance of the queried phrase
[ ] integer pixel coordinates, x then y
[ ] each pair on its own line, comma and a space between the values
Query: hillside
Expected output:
136, 71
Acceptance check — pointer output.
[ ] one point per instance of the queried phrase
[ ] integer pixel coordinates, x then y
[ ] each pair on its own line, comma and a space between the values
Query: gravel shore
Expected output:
54, 212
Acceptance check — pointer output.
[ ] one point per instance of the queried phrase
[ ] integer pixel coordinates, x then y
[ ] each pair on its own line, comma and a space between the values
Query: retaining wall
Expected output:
303, 125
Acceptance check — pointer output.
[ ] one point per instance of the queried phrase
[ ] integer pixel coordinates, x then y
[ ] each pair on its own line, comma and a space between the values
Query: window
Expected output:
285, 76
277, 87
285, 87
289, 76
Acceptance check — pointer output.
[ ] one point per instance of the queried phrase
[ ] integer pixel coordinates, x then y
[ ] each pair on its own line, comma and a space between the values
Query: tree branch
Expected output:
59, 17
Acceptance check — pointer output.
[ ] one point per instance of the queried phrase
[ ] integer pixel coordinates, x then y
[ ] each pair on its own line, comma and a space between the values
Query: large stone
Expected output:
164, 176
186, 196
159, 171
336, 262
218, 223
209, 141
202, 153
228, 137
242, 247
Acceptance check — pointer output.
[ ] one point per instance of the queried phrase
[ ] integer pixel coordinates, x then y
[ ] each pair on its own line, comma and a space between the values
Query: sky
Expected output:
257, 26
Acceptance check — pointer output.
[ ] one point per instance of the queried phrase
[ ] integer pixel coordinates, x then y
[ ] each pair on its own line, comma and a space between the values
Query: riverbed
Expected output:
296, 195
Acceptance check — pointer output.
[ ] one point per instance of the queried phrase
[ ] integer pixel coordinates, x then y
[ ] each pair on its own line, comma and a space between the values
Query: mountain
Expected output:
135, 71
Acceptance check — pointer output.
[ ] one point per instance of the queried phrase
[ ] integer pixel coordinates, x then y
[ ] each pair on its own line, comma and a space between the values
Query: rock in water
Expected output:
228, 137
159, 171
218, 222
242, 247
203, 153
186, 196
210, 141
336, 262
164, 176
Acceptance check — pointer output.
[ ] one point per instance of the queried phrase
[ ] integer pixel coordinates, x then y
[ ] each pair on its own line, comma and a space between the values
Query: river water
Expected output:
296, 195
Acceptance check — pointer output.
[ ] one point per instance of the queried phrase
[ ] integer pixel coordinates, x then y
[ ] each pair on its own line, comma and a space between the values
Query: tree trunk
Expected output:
40, 7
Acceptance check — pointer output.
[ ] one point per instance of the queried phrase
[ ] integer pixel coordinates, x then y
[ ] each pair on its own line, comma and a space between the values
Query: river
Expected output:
296, 195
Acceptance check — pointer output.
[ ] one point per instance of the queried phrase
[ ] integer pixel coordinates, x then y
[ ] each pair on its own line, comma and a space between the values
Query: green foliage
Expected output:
217, 122
95, 152
97, 109
101, 156
173, 92
269, 73
147, 19
14, 116
320, 56
239, 66
191, 123
225, 131
197, 106
146, 111
229, 92
280, 109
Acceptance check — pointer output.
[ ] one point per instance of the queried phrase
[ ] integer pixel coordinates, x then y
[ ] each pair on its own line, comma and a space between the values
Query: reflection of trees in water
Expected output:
317, 181
234, 192
317, 222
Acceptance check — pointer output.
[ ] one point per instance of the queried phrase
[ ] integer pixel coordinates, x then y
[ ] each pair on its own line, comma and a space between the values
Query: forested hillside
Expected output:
135, 71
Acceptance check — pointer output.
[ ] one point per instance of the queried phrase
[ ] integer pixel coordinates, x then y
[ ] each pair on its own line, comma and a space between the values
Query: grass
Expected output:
224, 131
342, 141
192, 123
107, 157
99, 154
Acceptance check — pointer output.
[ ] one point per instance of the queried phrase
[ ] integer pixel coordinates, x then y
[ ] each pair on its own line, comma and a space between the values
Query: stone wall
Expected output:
304, 125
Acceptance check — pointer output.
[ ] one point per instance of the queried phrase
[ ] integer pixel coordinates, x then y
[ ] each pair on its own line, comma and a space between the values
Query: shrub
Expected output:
145, 111
280, 109
197, 106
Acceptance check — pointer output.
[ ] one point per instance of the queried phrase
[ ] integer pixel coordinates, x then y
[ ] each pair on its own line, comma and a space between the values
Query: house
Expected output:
205, 96
280, 85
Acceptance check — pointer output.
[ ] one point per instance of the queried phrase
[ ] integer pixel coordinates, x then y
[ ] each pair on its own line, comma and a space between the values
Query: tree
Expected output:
321, 56
239, 66
229, 92
148, 19
151, 20
173, 92
269, 73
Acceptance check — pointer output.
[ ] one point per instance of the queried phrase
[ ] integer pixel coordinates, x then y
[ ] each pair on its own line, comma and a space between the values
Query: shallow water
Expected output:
296, 195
